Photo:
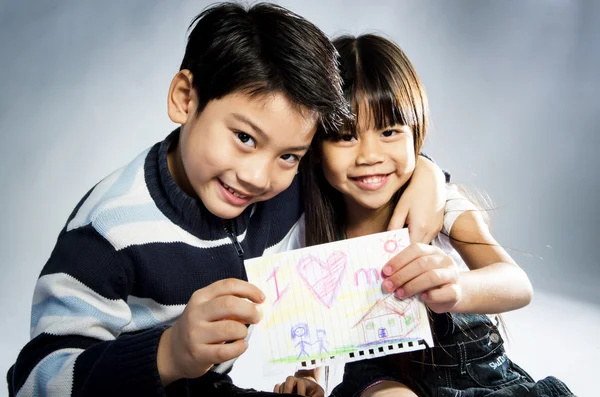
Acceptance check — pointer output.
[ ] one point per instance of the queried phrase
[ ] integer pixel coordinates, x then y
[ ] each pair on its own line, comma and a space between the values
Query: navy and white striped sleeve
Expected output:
78, 314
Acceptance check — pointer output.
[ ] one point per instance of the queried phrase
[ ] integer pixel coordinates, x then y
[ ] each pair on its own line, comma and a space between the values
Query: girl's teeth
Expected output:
372, 179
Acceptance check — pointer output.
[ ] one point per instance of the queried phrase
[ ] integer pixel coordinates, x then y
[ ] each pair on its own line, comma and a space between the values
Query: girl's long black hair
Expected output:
382, 87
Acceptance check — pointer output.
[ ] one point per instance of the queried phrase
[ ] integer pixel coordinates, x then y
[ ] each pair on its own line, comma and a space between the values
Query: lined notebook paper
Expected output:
325, 304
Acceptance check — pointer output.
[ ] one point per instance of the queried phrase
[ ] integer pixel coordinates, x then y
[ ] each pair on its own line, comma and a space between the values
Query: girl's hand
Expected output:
304, 386
426, 271
422, 203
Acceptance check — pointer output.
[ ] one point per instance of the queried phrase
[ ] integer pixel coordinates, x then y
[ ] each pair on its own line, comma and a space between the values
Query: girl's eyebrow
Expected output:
393, 127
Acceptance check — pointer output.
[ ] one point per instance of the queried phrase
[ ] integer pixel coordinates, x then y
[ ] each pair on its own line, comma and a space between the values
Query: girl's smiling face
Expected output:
370, 166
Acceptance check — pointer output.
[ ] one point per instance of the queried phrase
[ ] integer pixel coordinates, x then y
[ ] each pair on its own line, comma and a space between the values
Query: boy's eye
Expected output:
246, 139
389, 133
290, 158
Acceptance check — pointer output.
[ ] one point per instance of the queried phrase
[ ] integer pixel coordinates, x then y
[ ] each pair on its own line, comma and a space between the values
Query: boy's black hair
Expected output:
265, 49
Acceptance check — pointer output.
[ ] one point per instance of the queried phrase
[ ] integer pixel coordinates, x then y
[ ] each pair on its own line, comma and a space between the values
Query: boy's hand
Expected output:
425, 270
214, 315
304, 386
422, 204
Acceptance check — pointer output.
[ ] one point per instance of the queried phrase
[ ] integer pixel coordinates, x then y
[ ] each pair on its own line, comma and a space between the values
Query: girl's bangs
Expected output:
377, 105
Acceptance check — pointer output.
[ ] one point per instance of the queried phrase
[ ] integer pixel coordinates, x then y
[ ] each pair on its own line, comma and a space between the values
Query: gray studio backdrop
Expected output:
513, 88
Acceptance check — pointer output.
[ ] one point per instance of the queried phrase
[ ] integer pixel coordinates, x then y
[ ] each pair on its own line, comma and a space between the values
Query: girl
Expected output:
353, 179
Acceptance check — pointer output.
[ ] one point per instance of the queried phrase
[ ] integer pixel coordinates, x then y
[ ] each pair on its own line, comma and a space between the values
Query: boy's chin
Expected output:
224, 210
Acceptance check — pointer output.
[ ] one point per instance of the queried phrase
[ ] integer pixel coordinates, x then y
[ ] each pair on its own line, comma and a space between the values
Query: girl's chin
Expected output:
374, 205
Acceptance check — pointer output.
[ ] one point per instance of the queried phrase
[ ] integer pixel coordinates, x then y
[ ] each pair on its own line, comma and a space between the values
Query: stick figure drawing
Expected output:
322, 341
301, 338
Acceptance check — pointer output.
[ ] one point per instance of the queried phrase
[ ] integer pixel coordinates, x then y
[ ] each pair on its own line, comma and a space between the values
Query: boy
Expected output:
145, 285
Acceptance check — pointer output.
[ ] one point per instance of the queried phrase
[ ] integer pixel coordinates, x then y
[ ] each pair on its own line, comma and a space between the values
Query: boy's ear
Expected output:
181, 102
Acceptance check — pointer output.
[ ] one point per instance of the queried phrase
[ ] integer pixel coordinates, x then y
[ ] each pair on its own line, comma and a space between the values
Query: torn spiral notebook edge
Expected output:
333, 291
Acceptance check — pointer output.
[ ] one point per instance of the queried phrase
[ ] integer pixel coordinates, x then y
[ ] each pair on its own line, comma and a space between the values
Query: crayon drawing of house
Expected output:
390, 319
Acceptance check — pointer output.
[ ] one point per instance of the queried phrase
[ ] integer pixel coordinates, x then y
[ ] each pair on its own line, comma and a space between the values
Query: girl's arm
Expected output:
495, 283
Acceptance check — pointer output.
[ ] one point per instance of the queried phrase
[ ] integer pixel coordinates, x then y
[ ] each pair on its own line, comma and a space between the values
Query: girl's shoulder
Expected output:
456, 204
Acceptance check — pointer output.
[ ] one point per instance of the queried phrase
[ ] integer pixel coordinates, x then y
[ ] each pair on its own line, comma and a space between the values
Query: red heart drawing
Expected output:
323, 279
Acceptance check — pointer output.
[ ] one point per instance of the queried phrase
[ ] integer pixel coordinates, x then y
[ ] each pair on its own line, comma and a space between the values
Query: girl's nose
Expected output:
370, 151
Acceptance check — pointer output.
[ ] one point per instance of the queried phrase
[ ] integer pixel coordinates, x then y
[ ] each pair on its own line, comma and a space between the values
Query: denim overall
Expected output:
468, 360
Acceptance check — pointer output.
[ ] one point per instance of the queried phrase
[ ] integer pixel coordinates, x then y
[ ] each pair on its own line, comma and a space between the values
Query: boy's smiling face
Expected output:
239, 150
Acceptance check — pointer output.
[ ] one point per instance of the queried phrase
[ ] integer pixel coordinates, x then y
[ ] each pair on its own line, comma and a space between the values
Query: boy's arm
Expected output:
78, 314
447, 175
421, 206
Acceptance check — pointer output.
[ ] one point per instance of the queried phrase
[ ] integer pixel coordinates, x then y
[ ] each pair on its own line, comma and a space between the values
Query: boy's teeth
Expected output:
236, 194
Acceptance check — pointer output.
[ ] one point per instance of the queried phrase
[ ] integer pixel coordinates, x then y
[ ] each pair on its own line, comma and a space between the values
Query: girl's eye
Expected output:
246, 139
290, 158
389, 133
347, 138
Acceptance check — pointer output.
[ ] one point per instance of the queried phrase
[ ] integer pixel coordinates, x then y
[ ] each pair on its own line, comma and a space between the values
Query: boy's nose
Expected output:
254, 177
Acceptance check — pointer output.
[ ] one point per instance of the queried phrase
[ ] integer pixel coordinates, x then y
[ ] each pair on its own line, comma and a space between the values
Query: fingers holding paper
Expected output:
425, 271
214, 315
300, 385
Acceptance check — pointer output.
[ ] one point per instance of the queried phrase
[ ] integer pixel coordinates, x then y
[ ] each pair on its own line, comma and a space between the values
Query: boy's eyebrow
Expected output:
252, 125
299, 148
256, 128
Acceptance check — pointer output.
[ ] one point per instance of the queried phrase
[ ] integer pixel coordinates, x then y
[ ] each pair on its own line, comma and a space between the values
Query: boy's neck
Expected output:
177, 170
361, 221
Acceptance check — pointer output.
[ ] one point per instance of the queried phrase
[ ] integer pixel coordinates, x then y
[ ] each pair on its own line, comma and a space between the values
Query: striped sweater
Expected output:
129, 258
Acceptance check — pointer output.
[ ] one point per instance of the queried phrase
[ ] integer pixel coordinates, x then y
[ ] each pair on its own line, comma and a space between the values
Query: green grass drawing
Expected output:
295, 359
